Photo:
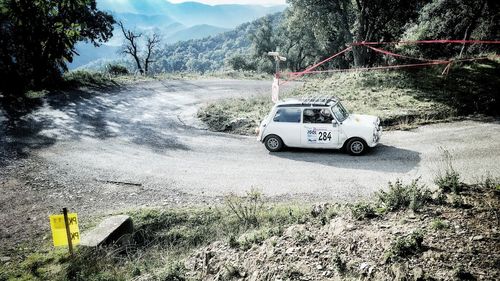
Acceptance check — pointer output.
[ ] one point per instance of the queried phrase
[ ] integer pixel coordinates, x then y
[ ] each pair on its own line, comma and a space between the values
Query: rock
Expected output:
290, 250
116, 229
418, 274
478, 238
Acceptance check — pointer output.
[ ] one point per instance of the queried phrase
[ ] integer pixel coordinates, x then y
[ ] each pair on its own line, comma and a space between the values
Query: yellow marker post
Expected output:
65, 231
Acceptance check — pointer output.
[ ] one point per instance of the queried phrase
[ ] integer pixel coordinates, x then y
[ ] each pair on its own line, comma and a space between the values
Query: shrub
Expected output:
406, 246
401, 197
362, 211
439, 224
246, 208
448, 179
116, 69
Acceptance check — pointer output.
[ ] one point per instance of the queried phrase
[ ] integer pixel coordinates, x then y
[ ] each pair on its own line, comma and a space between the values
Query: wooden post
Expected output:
68, 232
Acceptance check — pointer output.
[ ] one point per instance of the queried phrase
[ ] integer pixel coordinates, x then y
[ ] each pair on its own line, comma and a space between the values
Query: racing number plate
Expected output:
315, 135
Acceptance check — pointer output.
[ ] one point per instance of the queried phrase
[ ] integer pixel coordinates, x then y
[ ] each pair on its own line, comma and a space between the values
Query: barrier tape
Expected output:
362, 43
310, 70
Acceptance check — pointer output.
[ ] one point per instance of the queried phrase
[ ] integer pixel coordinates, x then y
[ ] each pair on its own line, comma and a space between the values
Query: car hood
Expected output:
362, 119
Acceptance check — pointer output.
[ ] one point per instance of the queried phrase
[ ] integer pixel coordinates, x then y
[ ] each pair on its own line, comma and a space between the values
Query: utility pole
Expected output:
277, 59
276, 82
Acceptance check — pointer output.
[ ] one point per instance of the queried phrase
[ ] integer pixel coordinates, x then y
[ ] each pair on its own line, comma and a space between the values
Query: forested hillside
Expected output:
309, 31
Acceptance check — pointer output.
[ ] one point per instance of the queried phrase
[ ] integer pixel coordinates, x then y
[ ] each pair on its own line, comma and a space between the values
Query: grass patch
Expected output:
87, 79
402, 99
162, 239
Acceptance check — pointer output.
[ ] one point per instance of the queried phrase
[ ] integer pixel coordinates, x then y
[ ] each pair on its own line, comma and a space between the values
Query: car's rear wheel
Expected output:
273, 143
356, 147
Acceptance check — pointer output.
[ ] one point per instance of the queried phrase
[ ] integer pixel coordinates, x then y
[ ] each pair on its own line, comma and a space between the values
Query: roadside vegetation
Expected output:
402, 99
406, 230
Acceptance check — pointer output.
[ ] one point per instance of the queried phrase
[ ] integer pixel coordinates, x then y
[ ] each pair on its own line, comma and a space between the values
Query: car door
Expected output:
318, 129
286, 125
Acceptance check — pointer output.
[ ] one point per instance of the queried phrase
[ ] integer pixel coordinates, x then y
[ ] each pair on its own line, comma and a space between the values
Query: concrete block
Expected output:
116, 229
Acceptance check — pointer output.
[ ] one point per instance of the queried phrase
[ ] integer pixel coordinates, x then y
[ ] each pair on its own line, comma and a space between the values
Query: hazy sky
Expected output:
255, 2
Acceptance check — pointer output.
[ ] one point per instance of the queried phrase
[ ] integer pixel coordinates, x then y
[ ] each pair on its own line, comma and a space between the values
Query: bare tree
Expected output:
131, 45
152, 43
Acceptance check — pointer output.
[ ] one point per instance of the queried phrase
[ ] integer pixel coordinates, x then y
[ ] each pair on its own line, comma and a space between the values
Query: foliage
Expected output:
439, 224
406, 246
117, 69
400, 196
246, 208
38, 37
81, 78
362, 211
456, 19
448, 179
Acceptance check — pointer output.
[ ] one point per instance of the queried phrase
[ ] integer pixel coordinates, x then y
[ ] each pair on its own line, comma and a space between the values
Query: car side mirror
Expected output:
334, 123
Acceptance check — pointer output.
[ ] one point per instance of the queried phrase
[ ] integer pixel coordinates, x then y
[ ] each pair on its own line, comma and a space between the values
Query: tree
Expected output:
337, 23
131, 47
152, 43
456, 19
38, 37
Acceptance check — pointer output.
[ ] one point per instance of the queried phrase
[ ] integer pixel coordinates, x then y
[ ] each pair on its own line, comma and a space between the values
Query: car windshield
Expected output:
340, 112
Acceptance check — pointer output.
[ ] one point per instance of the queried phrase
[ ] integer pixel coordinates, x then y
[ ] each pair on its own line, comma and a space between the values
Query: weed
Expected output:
339, 263
362, 211
489, 182
439, 224
406, 246
175, 271
247, 208
401, 197
448, 179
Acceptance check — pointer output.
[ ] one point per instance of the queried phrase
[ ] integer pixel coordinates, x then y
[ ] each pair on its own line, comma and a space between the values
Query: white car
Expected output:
318, 123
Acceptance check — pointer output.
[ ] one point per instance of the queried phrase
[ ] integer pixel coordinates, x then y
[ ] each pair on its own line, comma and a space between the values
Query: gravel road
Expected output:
141, 146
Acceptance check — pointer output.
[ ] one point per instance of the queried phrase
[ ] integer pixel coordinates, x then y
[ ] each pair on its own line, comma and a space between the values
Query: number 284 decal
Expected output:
325, 136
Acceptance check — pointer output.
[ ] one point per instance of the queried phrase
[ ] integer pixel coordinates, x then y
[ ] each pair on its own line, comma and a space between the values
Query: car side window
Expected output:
317, 115
289, 115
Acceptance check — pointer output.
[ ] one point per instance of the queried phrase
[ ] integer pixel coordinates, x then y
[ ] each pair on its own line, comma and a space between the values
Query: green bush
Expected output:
406, 246
116, 69
362, 211
401, 197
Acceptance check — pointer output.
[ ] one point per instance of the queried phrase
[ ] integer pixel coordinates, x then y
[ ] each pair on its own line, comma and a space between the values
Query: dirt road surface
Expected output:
141, 146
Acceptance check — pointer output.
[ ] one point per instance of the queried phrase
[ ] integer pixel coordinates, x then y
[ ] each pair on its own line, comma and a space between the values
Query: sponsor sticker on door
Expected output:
318, 135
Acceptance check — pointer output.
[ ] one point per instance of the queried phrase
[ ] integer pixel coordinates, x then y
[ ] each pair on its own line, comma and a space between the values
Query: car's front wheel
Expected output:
356, 147
273, 143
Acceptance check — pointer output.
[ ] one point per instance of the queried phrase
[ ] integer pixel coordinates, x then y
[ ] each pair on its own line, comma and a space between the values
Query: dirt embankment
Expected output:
457, 240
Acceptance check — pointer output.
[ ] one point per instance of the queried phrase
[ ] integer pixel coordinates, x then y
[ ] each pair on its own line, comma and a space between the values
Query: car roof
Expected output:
308, 101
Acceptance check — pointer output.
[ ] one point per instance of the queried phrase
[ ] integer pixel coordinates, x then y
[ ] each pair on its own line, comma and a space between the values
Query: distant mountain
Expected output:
195, 32
174, 22
200, 55
192, 13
